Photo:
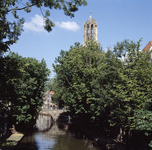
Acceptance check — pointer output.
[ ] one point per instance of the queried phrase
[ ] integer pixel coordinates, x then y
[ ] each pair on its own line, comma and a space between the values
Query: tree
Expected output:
76, 69
143, 116
132, 82
123, 89
113, 88
103, 87
50, 84
133, 87
23, 86
10, 31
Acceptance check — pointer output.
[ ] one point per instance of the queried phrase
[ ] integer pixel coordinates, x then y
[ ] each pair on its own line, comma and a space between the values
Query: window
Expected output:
87, 31
92, 31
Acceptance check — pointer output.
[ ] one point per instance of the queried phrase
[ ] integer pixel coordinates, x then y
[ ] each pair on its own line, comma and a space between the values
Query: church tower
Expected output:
90, 30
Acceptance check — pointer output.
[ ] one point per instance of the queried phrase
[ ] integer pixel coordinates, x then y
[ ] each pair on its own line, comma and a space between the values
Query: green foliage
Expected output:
103, 87
131, 87
50, 84
10, 31
112, 88
23, 81
76, 70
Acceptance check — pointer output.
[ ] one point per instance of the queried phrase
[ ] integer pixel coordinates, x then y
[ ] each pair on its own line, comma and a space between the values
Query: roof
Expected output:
90, 20
51, 92
147, 47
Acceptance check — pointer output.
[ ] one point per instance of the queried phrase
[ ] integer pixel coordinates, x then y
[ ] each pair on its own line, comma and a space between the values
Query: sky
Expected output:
117, 20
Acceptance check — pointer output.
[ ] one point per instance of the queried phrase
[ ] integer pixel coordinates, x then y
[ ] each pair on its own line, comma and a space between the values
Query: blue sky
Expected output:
117, 20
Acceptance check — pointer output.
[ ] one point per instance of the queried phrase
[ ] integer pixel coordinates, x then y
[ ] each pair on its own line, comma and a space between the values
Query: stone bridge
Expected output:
55, 113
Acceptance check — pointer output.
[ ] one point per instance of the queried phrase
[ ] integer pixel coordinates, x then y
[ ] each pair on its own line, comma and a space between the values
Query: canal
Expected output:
56, 138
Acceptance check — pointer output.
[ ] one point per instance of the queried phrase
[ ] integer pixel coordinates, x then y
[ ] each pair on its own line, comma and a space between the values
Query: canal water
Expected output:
56, 138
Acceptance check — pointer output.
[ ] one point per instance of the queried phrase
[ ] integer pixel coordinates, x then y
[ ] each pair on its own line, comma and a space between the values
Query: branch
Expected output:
83, 73
85, 61
89, 58
16, 8
41, 12
71, 85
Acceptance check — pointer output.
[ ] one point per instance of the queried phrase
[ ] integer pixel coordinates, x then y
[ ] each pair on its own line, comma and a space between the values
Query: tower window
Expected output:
87, 31
88, 34
92, 31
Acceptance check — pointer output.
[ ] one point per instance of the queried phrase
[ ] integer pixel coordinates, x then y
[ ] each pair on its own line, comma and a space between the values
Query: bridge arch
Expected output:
54, 113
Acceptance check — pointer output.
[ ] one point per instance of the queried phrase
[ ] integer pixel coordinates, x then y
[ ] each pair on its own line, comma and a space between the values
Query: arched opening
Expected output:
87, 32
92, 31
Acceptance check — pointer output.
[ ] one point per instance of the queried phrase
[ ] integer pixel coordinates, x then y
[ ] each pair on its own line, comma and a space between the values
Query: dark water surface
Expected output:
56, 139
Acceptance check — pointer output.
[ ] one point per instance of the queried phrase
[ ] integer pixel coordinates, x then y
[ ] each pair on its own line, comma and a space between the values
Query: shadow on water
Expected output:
56, 137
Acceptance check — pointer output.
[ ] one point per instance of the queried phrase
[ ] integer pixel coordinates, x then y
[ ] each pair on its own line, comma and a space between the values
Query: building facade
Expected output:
47, 101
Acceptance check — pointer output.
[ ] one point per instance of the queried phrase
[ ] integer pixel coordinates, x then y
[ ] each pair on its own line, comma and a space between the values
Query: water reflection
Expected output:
27, 143
56, 138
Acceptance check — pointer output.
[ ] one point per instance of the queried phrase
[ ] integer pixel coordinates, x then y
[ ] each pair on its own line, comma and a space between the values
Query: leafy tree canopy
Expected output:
22, 83
50, 84
10, 31
111, 88
76, 69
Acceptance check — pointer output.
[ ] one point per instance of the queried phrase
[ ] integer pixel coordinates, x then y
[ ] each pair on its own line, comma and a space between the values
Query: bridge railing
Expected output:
53, 109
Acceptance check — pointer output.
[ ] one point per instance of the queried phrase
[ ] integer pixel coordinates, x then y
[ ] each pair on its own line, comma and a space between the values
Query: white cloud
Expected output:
68, 25
36, 24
